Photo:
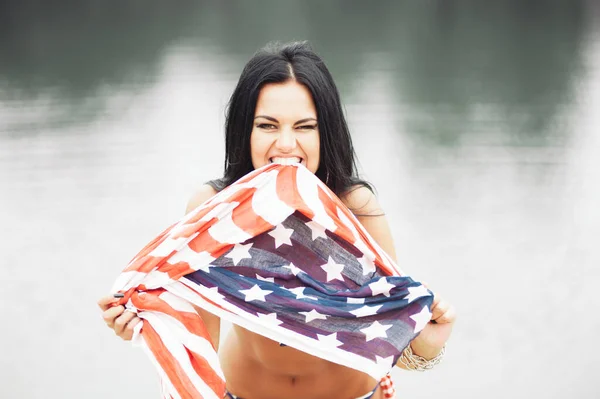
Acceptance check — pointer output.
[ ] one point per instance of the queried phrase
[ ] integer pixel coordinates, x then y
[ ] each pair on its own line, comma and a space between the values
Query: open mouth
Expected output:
286, 160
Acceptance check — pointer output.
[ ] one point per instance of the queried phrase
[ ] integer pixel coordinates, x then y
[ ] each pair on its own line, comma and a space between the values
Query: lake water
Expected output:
477, 123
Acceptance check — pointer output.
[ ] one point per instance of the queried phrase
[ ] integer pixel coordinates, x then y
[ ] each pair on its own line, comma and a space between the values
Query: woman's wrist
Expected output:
425, 351
411, 361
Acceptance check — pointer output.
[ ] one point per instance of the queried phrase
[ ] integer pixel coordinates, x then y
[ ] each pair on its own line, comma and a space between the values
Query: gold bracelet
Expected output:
418, 363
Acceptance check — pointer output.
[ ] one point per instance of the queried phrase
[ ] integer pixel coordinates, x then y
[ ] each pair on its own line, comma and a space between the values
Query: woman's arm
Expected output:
363, 203
360, 200
212, 322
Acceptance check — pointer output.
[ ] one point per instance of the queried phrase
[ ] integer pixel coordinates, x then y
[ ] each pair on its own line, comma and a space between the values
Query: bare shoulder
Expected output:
365, 206
202, 194
361, 201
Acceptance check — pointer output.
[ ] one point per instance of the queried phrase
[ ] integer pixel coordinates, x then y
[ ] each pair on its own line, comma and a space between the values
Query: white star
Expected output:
239, 252
376, 330
355, 300
281, 235
295, 270
312, 315
416, 292
316, 230
270, 318
421, 319
330, 339
269, 279
368, 265
334, 270
387, 362
381, 287
366, 311
298, 291
255, 293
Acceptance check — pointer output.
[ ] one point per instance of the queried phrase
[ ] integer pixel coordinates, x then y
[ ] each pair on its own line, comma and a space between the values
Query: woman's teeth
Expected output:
286, 161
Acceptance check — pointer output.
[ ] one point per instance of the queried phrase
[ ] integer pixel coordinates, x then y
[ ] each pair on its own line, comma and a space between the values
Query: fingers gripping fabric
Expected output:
279, 254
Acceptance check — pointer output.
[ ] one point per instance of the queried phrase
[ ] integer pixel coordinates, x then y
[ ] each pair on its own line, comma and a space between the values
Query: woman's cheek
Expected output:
316, 153
258, 150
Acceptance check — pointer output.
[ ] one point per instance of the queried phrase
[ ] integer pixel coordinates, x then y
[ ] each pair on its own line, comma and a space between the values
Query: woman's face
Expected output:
285, 128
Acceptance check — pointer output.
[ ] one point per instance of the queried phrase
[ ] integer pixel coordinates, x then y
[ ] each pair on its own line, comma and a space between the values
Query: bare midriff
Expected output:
256, 367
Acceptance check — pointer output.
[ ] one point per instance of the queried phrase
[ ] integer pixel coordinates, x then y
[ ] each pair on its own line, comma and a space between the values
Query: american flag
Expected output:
278, 254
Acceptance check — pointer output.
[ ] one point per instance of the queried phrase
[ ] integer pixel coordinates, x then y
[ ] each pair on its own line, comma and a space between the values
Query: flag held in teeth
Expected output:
280, 255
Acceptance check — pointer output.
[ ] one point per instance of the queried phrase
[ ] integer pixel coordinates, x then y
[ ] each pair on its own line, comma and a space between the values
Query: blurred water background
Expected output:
474, 120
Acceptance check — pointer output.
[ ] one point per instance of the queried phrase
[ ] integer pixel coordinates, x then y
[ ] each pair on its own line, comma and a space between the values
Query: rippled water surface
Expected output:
477, 123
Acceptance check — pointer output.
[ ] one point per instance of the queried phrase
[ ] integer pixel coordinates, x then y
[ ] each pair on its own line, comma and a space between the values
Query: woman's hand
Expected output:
433, 337
117, 318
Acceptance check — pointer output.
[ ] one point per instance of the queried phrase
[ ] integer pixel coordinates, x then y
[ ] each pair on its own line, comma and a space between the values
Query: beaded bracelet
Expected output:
418, 363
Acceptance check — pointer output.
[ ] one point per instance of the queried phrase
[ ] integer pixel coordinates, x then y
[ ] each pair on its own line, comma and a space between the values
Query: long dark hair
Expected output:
278, 63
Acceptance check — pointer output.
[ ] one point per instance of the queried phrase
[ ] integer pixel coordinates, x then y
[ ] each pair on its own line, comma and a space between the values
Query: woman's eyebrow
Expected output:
275, 120
266, 117
305, 120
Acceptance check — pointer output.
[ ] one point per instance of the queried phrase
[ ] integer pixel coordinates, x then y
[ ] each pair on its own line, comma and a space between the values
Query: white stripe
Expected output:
169, 245
136, 338
166, 385
227, 232
124, 279
156, 279
309, 192
346, 222
130, 279
196, 260
189, 294
175, 348
266, 202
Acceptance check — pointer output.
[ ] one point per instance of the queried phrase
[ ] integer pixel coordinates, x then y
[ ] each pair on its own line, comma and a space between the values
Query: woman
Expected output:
286, 109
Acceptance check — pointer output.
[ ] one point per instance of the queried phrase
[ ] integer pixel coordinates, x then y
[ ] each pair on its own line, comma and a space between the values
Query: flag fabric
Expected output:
280, 255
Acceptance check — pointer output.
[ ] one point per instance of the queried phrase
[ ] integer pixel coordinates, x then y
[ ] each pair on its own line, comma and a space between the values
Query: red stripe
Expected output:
195, 325
200, 214
246, 219
145, 264
169, 364
207, 373
205, 242
191, 320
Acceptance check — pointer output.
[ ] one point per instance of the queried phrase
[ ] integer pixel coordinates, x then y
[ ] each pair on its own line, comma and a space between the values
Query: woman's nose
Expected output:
286, 141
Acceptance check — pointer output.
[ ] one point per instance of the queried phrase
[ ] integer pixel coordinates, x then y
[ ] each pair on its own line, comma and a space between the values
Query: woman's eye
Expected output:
308, 127
266, 126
